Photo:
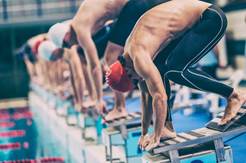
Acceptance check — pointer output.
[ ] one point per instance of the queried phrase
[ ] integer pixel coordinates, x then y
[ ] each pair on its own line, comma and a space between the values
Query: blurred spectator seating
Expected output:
36, 11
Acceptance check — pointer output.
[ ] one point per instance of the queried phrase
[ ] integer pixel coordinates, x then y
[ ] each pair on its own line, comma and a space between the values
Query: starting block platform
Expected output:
204, 153
130, 118
240, 118
202, 136
85, 123
124, 132
121, 124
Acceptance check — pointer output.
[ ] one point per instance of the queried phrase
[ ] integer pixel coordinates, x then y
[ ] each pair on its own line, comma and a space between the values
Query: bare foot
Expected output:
235, 101
116, 113
101, 107
149, 142
167, 133
85, 106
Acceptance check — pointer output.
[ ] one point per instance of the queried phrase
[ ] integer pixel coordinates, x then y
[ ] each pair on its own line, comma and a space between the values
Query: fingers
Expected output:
151, 146
145, 143
142, 141
148, 143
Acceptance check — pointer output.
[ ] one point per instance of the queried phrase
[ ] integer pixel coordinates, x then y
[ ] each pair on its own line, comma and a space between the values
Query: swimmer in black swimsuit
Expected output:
126, 21
166, 42
91, 16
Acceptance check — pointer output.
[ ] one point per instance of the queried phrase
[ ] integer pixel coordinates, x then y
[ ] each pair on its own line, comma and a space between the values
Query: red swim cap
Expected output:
117, 78
35, 47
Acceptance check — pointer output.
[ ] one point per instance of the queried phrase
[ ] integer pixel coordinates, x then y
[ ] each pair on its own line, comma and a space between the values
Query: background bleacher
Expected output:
23, 12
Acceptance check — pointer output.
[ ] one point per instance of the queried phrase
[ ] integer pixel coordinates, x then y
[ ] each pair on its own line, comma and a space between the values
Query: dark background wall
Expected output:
14, 79
13, 76
20, 20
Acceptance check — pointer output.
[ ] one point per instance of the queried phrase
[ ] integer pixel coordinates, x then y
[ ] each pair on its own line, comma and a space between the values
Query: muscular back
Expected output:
158, 26
93, 14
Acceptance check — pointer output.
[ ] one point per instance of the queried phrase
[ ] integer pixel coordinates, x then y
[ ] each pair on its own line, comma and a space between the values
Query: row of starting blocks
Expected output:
125, 132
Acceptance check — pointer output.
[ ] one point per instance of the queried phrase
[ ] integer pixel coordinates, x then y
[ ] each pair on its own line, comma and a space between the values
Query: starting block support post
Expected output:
219, 149
120, 132
174, 156
213, 133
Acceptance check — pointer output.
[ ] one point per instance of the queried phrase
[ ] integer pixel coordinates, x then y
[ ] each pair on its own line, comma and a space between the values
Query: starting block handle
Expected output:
219, 149
174, 156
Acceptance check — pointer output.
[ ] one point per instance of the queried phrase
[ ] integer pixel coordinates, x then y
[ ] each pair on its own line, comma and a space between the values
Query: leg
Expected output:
147, 112
119, 109
77, 77
207, 33
111, 54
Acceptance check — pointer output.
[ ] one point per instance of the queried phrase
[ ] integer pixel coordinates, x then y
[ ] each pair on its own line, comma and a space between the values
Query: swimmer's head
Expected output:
63, 35
30, 52
117, 78
49, 51
36, 45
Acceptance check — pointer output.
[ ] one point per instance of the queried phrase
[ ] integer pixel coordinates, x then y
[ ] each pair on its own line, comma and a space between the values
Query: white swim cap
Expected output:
46, 49
57, 33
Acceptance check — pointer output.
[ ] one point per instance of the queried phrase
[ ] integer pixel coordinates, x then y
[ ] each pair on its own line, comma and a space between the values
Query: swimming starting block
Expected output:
124, 132
201, 136
122, 122
88, 120
236, 121
202, 153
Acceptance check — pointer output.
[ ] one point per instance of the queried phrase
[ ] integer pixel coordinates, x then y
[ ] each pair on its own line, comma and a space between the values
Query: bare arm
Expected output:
88, 45
66, 80
147, 111
88, 80
30, 67
76, 69
156, 89
50, 74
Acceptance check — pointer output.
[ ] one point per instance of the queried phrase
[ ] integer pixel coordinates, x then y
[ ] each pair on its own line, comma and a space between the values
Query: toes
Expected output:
222, 122
228, 116
225, 120
145, 143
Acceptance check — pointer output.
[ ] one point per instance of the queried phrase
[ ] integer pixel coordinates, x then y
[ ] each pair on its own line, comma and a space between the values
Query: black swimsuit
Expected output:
128, 17
176, 62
